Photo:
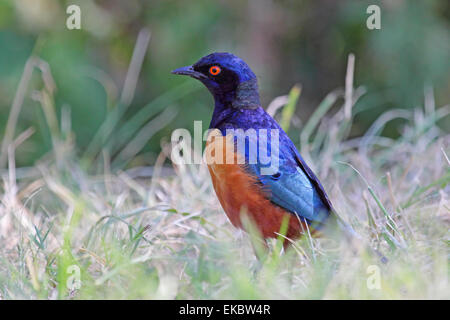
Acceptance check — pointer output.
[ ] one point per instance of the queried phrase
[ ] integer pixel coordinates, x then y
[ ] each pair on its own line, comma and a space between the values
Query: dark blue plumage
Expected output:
293, 187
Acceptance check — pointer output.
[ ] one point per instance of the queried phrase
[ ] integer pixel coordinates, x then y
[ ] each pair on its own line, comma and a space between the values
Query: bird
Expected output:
289, 191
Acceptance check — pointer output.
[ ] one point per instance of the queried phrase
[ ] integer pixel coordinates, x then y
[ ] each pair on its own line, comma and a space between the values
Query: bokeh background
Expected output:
285, 42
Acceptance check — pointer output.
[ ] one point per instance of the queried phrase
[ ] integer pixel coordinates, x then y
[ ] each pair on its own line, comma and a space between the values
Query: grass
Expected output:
160, 233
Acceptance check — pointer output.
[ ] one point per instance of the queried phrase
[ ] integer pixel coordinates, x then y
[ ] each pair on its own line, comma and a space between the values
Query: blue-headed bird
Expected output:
290, 191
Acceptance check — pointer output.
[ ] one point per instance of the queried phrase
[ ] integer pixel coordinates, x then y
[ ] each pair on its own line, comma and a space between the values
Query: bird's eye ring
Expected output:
214, 70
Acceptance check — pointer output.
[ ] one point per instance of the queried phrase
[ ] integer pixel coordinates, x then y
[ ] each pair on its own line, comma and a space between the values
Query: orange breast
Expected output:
239, 193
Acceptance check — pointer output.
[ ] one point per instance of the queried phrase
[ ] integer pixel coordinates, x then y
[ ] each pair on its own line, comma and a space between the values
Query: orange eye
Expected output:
214, 70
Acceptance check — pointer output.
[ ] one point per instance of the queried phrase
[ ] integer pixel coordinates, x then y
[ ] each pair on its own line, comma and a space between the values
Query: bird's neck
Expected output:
244, 96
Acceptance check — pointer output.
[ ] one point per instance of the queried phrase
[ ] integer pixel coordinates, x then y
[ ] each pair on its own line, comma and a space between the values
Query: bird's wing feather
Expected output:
293, 186
312, 177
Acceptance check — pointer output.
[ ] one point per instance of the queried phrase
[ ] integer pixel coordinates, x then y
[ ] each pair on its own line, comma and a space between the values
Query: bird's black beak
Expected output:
189, 71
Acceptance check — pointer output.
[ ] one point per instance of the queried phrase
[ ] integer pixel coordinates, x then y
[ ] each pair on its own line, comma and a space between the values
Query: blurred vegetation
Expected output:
285, 42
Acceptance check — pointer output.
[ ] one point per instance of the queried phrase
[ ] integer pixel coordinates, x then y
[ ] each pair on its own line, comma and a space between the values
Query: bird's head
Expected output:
227, 77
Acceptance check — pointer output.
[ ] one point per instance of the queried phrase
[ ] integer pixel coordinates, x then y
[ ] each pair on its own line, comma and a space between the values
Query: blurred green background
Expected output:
285, 42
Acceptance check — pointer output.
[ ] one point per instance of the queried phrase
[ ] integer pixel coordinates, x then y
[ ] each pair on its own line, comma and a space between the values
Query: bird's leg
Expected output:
257, 240
260, 248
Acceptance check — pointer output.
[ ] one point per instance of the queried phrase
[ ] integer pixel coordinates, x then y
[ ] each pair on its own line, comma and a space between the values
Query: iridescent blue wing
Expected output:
292, 185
